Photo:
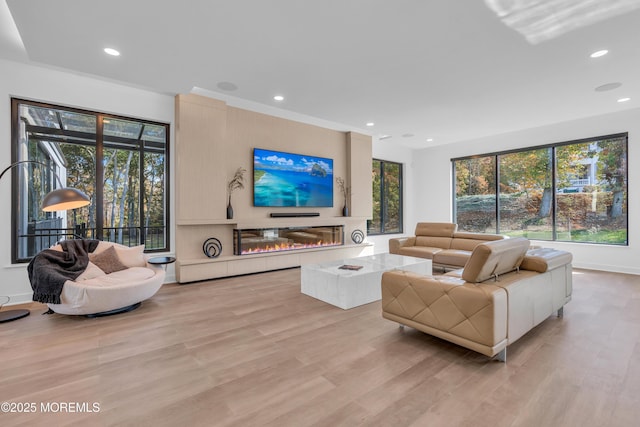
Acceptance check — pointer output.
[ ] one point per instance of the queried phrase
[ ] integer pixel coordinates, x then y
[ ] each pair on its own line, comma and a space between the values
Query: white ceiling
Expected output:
441, 69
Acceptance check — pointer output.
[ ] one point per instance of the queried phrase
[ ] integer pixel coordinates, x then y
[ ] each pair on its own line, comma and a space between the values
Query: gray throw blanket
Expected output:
49, 269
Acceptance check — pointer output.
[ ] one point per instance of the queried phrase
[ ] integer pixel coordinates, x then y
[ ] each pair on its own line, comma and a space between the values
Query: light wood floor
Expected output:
252, 351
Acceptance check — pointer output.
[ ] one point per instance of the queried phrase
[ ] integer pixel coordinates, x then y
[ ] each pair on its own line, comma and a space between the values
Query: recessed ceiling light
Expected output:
370, 124
608, 86
599, 53
278, 98
624, 99
429, 139
381, 137
111, 51
227, 86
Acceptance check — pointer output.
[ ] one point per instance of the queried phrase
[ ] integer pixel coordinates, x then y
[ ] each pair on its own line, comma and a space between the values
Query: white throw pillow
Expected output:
132, 257
92, 271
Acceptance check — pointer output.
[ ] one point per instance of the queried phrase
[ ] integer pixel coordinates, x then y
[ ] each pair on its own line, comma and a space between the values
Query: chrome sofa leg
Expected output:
560, 312
502, 356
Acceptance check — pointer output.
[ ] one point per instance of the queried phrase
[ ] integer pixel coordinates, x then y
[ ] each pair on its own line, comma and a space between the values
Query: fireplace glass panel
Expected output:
260, 240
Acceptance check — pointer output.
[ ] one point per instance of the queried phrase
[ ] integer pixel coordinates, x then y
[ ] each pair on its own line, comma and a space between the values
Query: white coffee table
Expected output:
351, 288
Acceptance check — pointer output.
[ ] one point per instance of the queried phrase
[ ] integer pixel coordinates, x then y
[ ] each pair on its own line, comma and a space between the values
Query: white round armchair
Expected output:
102, 291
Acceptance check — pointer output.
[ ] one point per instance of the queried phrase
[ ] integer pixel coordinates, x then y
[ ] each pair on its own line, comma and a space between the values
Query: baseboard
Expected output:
19, 299
607, 268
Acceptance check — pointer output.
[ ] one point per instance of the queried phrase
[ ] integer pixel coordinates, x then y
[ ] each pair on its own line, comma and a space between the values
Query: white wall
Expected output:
427, 173
433, 201
67, 89
391, 151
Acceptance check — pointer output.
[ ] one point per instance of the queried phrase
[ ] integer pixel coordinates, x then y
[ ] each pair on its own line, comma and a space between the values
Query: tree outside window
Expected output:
574, 191
387, 198
120, 163
475, 197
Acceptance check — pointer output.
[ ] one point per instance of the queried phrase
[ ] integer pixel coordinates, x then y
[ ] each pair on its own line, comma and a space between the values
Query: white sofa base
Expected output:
111, 292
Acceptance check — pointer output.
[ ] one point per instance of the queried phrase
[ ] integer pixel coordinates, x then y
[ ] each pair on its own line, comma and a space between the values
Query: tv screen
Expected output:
287, 179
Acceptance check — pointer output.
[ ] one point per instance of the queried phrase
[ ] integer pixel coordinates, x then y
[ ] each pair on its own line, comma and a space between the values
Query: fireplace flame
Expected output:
277, 247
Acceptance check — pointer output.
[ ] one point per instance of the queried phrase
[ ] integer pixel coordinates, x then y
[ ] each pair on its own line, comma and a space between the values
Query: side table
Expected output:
161, 260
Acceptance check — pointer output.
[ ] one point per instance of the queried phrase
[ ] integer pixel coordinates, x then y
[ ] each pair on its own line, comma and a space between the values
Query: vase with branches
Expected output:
345, 190
236, 183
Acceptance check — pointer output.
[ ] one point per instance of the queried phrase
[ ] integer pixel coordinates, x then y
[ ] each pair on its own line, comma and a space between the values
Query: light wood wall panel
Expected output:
359, 158
200, 158
247, 130
212, 141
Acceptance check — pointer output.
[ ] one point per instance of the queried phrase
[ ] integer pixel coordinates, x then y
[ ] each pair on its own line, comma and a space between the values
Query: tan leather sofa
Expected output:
442, 243
502, 293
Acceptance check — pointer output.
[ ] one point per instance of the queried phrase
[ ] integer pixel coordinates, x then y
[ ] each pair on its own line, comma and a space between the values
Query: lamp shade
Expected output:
62, 199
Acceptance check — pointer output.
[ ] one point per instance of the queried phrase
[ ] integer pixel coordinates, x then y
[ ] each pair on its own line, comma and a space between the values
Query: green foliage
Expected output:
612, 163
526, 190
525, 171
393, 196
568, 162
387, 197
133, 164
612, 237
475, 176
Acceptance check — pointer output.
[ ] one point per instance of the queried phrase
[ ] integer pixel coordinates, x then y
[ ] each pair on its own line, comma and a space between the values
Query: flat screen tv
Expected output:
287, 179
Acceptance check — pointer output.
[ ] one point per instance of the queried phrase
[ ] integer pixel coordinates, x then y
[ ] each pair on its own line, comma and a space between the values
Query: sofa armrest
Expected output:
545, 259
400, 242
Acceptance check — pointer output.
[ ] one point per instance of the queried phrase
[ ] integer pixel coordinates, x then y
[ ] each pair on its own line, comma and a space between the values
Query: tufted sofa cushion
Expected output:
447, 304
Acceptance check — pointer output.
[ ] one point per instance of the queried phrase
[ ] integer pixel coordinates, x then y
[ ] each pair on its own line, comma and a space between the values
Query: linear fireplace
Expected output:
260, 240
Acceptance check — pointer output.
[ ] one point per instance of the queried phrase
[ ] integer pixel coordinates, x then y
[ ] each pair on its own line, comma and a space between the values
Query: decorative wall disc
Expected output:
212, 247
357, 236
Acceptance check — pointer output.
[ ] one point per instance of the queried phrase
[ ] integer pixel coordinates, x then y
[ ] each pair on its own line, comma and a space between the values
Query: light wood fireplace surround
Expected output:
212, 141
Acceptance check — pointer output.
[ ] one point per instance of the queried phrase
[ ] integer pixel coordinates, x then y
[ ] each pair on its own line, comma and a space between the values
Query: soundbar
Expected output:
292, 214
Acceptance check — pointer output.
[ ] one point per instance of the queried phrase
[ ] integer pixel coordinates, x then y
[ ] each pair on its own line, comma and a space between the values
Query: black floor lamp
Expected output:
57, 200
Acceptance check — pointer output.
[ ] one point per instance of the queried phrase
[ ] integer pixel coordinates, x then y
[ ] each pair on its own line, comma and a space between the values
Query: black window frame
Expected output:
142, 146
554, 208
383, 203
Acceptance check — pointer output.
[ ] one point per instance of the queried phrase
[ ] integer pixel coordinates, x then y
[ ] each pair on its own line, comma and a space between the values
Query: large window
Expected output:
574, 192
475, 201
387, 198
120, 163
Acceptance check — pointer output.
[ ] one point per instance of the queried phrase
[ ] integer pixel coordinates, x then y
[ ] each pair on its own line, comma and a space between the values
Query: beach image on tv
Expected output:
286, 179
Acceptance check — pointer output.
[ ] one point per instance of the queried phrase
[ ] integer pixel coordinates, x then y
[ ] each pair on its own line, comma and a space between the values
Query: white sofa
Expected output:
95, 292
